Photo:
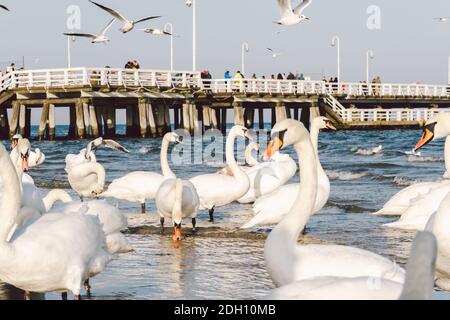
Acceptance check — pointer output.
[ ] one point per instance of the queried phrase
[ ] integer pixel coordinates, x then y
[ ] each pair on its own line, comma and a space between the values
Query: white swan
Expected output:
271, 208
57, 252
250, 160
216, 190
140, 186
399, 203
87, 179
33, 159
416, 216
286, 261
438, 224
88, 154
177, 199
419, 281
269, 176
112, 220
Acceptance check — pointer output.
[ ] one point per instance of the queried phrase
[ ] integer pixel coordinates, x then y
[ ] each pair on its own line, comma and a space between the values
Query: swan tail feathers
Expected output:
54, 196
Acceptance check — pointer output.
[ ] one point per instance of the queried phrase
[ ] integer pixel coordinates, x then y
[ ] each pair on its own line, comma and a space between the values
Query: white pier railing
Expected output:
135, 79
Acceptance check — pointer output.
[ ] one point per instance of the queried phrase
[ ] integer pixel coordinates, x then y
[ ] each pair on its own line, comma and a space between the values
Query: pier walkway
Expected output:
154, 99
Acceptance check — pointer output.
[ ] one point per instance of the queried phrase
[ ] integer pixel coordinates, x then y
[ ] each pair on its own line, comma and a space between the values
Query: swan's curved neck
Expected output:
282, 241
166, 171
229, 155
447, 154
251, 161
11, 198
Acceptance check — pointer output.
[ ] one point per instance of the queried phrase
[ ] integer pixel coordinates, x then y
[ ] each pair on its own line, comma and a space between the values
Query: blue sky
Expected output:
409, 47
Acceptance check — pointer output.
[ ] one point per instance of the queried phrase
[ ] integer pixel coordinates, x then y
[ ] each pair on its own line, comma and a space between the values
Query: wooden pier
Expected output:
155, 99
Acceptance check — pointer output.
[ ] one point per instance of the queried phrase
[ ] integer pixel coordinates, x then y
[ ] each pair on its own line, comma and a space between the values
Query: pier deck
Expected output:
155, 99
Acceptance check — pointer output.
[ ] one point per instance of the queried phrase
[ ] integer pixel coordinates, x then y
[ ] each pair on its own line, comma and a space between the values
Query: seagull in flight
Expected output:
96, 38
441, 19
274, 54
3, 7
291, 17
156, 32
127, 24
279, 32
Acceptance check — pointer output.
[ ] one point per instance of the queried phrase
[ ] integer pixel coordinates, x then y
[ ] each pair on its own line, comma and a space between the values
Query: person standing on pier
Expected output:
11, 71
227, 75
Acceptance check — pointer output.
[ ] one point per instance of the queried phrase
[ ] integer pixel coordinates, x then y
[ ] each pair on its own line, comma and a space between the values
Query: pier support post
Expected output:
206, 112
261, 117
87, 124
80, 128
22, 120
73, 121
186, 117
296, 112
109, 119
213, 118
51, 122
249, 117
14, 118
143, 117
27, 122
280, 112
238, 114
93, 121
151, 119
167, 127
195, 126
160, 120
4, 125
99, 118
305, 117
223, 121
176, 117
314, 111
43, 122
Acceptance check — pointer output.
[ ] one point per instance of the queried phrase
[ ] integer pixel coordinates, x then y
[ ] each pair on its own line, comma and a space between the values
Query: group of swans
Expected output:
54, 252
416, 204
333, 271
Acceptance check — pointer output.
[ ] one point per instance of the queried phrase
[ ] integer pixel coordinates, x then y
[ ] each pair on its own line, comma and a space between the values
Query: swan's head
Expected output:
323, 123
286, 133
173, 137
303, 17
177, 235
23, 150
15, 140
242, 132
437, 127
96, 190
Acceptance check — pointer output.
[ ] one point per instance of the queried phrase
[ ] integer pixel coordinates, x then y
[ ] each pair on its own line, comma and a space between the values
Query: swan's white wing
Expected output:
285, 7
108, 26
302, 6
114, 145
84, 35
146, 19
114, 13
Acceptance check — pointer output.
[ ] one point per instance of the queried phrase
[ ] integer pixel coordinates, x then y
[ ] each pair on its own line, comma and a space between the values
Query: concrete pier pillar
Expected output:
4, 125
314, 111
43, 122
296, 112
195, 119
73, 120
249, 117
305, 117
213, 118
261, 117
80, 127
206, 117
160, 120
130, 121
93, 121
14, 122
280, 111
176, 116
143, 118
186, 117
22, 120
223, 121
99, 118
273, 118
167, 127
51, 122
86, 117
151, 119
109, 113
238, 114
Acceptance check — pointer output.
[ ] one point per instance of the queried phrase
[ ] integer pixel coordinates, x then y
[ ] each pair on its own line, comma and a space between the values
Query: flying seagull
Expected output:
3, 7
100, 142
291, 17
274, 54
101, 38
127, 24
156, 32
279, 32
441, 19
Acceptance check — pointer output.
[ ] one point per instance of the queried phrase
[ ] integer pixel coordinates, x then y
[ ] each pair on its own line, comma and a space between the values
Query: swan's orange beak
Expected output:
177, 236
14, 143
274, 146
427, 137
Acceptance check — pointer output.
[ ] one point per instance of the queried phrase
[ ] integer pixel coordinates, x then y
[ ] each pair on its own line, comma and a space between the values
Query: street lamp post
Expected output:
69, 51
169, 28
369, 55
245, 49
336, 42
192, 3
